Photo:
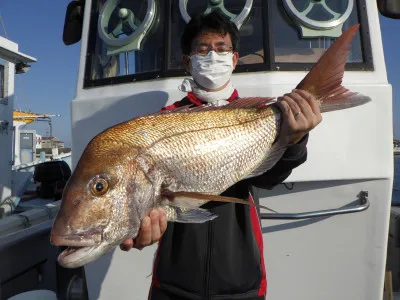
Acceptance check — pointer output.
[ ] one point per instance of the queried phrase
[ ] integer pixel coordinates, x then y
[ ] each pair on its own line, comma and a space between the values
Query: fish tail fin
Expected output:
324, 80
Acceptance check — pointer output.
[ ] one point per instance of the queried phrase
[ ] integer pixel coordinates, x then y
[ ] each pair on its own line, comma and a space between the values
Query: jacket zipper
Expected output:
208, 260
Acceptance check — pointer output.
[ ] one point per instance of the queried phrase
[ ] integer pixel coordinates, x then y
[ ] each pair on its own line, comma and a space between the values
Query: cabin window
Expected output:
251, 33
113, 53
1, 81
304, 29
133, 40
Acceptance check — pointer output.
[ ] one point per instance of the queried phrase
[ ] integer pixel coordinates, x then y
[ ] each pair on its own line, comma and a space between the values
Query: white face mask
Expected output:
212, 70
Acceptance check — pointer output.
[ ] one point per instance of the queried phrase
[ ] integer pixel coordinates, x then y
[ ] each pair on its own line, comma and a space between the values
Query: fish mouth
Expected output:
74, 257
79, 246
82, 239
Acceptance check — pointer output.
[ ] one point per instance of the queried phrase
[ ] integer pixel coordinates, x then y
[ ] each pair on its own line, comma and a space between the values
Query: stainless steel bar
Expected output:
364, 204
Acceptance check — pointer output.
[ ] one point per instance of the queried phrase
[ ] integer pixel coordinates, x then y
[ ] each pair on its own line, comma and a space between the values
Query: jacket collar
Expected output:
192, 98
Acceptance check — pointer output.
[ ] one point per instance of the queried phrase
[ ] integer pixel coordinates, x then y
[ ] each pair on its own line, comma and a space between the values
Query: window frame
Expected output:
269, 64
2, 81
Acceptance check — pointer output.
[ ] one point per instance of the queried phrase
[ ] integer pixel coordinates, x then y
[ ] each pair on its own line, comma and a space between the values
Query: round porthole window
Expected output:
319, 17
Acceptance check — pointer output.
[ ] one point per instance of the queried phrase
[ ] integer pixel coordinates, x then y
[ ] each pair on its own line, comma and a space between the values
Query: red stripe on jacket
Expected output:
192, 98
255, 222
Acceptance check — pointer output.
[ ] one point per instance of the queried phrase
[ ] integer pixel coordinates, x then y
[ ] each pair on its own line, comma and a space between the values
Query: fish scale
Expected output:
210, 160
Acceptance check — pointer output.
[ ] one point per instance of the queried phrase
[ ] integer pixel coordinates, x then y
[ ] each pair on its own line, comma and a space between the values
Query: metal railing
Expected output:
349, 209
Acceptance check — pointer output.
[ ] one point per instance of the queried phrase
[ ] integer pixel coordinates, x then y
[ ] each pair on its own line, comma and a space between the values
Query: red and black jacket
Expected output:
221, 259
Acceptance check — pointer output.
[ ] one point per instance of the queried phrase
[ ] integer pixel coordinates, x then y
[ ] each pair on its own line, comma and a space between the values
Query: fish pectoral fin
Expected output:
182, 209
192, 199
191, 215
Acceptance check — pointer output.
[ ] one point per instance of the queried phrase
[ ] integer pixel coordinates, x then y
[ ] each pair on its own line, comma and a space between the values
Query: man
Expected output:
223, 258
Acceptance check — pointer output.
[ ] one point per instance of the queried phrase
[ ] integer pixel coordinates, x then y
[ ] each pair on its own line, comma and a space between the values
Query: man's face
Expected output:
210, 41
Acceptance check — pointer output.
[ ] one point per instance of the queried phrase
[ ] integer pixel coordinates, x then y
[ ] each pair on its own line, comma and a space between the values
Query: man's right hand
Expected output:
151, 230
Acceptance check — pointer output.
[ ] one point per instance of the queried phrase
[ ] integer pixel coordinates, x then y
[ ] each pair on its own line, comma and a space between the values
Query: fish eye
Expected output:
99, 186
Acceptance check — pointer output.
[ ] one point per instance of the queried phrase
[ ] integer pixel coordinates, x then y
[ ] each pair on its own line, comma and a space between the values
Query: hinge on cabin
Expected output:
4, 126
4, 101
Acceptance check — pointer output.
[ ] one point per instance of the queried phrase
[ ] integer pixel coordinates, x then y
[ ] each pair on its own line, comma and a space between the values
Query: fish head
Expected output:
98, 208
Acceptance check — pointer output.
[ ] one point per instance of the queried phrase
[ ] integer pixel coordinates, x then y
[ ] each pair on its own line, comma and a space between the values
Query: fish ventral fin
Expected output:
324, 80
194, 200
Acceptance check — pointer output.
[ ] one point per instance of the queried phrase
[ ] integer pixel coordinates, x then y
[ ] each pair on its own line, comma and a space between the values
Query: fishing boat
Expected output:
329, 240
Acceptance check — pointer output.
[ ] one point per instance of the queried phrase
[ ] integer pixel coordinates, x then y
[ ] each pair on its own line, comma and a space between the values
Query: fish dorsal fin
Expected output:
193, 200
184, 108
251, 102
248, 102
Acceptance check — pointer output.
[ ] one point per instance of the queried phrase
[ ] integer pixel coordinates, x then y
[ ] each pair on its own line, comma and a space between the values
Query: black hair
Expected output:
212, 22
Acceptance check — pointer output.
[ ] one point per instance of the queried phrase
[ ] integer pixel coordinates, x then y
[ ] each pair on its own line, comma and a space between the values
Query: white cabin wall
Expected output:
330, 258
6, 114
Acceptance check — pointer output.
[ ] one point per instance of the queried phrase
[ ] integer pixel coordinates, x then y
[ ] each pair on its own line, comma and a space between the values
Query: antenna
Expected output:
4, 28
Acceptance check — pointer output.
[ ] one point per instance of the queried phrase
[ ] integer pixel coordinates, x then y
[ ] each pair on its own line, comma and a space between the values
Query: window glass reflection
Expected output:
291, 47
147, 59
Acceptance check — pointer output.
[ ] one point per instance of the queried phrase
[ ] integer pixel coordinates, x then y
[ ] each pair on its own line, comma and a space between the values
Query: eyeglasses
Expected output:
203, 50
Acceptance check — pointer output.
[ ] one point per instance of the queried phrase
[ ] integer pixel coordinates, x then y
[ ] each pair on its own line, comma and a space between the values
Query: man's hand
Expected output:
301, 113
151, 230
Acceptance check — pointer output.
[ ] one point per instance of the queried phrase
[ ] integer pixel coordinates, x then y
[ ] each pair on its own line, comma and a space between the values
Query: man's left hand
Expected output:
152, 228
301, 113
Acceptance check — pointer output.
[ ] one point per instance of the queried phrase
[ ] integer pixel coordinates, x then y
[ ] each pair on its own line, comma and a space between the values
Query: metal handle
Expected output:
364, 204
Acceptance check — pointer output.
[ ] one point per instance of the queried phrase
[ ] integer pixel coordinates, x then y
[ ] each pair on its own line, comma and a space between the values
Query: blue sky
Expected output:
50, 84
